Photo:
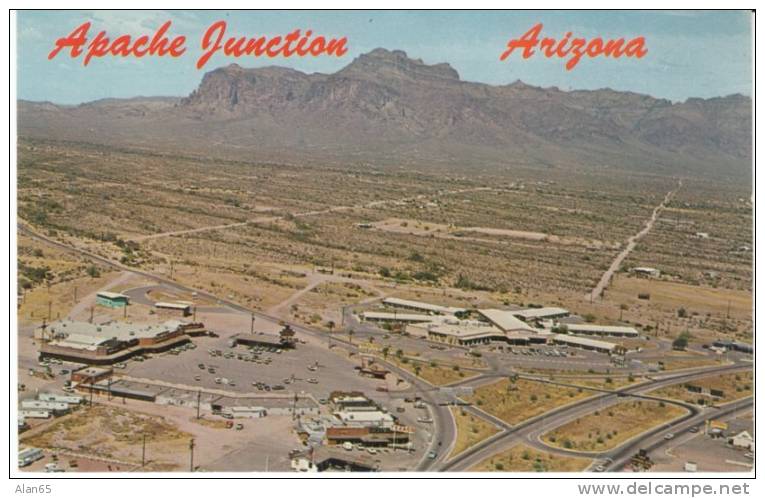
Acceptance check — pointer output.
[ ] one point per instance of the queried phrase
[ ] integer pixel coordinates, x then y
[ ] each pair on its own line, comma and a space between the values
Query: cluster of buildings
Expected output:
45, 406
356, 420
470, 327
113, 342
99, 382
118, 300
285, 339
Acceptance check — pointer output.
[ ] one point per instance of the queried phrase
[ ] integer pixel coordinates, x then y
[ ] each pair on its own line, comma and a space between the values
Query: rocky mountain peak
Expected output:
396, 63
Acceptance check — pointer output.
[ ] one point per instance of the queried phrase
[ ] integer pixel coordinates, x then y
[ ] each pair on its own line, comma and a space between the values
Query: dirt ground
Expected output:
522, 458
734, 386
517, 401
115, 431
470, 430
609, 427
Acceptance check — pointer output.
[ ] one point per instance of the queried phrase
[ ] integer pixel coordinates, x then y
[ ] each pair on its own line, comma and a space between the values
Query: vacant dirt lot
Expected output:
525, 459
607, 428
112, 432
734, 386
517, 401
470, 430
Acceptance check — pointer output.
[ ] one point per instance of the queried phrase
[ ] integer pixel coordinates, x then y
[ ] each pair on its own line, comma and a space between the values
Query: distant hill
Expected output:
386, 108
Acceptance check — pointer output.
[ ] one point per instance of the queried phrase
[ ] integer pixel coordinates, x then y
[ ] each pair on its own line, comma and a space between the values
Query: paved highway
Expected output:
444, 430
529, 430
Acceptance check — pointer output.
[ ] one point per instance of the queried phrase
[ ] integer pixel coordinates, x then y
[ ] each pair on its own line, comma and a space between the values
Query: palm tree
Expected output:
350, 335
385, 352
417, 369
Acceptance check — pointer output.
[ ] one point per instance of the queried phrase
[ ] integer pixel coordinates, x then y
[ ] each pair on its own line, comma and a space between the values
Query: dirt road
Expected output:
334, 209
631, 243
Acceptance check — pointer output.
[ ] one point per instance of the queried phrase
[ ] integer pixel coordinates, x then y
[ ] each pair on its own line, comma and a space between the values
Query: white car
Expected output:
53, 467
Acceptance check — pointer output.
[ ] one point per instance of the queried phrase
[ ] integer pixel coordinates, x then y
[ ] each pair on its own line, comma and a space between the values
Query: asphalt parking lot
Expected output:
288, 368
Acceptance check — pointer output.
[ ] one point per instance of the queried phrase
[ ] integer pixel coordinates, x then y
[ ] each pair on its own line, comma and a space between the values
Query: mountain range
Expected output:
385, 108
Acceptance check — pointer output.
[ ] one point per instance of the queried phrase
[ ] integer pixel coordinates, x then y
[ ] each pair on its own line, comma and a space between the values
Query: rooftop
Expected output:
365, 417
402, 317
605, 329
434, 308
175, 306
111, 295
540, 312
583, 341
84, 335
505, 320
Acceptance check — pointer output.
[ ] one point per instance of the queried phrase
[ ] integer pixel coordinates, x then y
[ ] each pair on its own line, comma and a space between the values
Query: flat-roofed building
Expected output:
385, 316
505, 320
603, 330
34, 414
111, 342
60, 398
365, 418
184, 309
112, 299
342, 400
55, 407
645, 271
587, 343
246, 411
394, 435
545, 313
91, 375
421, 306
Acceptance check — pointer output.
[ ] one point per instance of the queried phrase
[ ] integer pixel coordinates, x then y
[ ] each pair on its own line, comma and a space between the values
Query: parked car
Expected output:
53, 467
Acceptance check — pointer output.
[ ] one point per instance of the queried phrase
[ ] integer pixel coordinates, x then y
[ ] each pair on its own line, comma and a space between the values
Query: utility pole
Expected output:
143, 452
75, 294
50, 304
252, 323
199, 399
727, 314
191, 458
195, 314
91, 315
171, 268
124, 313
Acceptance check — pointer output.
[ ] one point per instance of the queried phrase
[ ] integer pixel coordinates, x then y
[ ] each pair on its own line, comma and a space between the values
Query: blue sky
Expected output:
690, 54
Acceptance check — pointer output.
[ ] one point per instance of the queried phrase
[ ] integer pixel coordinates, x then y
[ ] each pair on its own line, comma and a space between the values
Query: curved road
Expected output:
444, 431
526, 431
